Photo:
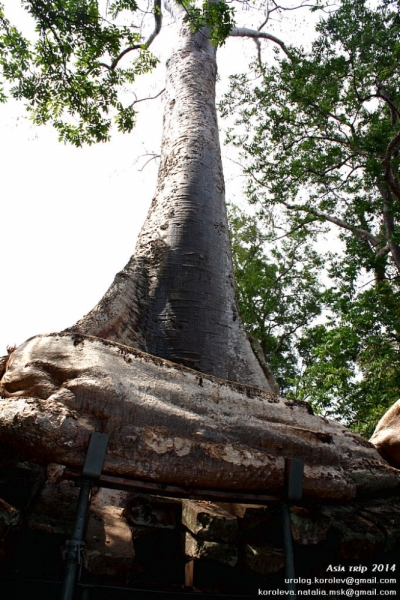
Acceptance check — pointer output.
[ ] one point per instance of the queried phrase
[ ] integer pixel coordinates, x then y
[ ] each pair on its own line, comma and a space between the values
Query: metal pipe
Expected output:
91, 472
175, 491
74, 545
289, 557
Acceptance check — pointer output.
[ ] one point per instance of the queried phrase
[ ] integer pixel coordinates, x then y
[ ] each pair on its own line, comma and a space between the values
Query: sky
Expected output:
71, 216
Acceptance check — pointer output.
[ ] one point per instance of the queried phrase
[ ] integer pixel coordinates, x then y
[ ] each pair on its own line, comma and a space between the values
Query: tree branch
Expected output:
361, 234
390, 229
389, 224
157, 28
389, 174
153, 156
287, 8
175, 10
148, 98
383, 93
254, 34
157, 23
258, 45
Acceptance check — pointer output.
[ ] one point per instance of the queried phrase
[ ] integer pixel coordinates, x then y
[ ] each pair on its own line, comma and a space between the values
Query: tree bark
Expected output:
176, 300
176, 296
386, 437
171, 424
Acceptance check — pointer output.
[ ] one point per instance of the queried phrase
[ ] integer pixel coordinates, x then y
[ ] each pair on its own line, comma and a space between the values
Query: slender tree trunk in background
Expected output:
176, 297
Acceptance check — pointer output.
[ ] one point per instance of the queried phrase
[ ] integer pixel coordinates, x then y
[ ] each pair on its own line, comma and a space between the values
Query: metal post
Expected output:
288, 546
85, 594
294, 471
91, 472
76, 542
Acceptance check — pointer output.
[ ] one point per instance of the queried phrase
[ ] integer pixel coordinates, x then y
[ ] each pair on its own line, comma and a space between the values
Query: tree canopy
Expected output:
319, 133
86, 54
74, 72
71, 73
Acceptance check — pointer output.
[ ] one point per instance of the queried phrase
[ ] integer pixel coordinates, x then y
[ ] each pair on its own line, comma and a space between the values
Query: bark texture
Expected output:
386, 437
171, 424
176, 296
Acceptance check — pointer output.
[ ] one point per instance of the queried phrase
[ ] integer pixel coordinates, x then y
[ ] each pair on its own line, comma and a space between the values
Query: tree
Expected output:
324, 151
279, 291
175, 299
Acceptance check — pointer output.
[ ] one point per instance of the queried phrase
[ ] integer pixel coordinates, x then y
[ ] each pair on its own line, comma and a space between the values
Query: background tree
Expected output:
279, 291
320, 137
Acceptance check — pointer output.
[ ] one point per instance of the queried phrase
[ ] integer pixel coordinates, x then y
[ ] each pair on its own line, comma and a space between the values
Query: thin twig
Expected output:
153, 156
149, 98
157, 28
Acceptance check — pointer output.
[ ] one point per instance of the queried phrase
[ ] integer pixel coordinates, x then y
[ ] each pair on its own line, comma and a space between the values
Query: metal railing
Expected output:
91, 475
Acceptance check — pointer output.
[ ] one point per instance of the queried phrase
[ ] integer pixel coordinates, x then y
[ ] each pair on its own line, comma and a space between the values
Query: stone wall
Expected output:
164, 543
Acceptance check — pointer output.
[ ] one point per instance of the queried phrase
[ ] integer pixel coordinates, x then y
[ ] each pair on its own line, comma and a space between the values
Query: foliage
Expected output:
318, 129
76, 71
217, 16
351, 363
319, 133
278, 290
71, 73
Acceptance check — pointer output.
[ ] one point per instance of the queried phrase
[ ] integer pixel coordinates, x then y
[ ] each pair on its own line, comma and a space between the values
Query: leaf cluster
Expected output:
316, 130
70, 74
218, 17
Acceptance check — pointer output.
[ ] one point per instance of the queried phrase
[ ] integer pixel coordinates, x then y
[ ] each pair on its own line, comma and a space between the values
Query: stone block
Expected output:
109, 497
153, 511
308, 527
357, 538
264, 560
55, 509
54, 473
20, 483
109, 546
249, 516
209, 521
9, 517
385, 514
199, 548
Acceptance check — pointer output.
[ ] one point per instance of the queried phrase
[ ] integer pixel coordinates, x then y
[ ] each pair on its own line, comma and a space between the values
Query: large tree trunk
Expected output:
176, 296
176, 300
170, 424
